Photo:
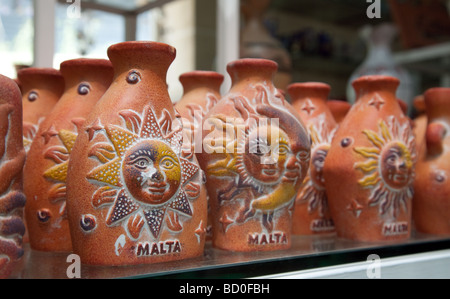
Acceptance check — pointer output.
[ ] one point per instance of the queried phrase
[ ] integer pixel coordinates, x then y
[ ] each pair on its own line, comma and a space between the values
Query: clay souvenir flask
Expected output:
201, 91
370, 167
12, 159
41, 89
45, 171
311, 212
255, 155
431, 203
134, 196
339, 109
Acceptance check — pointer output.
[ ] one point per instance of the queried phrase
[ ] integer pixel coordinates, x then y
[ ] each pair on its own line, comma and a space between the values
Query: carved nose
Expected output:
156, 176
401, 165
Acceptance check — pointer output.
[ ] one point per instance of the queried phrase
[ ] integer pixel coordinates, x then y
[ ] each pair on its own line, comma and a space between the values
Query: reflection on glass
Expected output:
16, 35
90, 35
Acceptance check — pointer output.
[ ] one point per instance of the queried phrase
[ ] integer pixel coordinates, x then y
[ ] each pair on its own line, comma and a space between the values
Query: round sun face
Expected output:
388, 166
151, 172
396, 165
143, 176
265, 154
317, 162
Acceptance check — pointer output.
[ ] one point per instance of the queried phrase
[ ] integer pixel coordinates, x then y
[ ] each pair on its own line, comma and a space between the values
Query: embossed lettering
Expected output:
264, 238
396, 228
322, 225
158, 248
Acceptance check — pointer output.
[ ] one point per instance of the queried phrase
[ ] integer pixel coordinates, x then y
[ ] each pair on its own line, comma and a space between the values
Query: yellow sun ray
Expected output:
368, 152
108, 173
368, 166
120, 138
374, 138
59, 171
370, 180
68, 139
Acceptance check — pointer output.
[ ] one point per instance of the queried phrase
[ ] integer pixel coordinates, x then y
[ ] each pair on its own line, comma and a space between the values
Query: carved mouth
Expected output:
400, 178
270, 172
157, 189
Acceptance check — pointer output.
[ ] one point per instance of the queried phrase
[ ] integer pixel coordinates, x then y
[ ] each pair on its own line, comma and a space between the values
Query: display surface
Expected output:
306, 252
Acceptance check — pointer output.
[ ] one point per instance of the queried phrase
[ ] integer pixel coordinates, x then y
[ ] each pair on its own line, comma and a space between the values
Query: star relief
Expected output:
376, 102
144, 173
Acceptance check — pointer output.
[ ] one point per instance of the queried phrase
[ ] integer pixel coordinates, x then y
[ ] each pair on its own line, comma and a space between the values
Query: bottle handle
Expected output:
435, 133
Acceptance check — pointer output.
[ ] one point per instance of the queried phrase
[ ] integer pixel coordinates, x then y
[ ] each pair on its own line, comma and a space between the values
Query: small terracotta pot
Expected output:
12, 199
339, 109
311, 213
45, 172
133, 195
201, 93
41, 89
431, 204
370, 167
255, 155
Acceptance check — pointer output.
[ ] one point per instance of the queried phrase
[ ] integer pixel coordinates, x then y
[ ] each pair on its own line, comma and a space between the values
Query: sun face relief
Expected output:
388, 166
396, 165
144, 173
152, 172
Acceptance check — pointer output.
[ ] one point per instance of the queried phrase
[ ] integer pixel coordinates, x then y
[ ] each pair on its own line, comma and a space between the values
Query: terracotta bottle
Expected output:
255, 155
431, 203
133, 195
12, 159
45, 172
311, 213
41, 89
369, 170
339, 109
201, 91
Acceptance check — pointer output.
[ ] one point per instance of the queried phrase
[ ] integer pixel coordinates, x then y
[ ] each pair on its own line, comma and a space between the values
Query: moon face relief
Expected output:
143, 174
260, 158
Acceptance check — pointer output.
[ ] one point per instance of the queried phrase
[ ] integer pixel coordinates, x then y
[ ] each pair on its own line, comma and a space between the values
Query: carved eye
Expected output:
439, 176
84, 89
141, 163
346, 142
133, 77
43, 215
88, 223
167, 163
259, 147
33, 96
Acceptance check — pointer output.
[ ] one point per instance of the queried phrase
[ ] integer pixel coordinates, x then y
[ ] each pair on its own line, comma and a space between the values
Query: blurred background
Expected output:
331, 41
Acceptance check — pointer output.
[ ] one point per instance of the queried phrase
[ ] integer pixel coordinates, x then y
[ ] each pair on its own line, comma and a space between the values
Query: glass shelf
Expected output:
307, 252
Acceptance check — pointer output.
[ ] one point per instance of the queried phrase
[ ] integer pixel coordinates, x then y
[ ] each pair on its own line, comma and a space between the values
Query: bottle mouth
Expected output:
141, 52
309, 89
437, 100
248, 67
371, 83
